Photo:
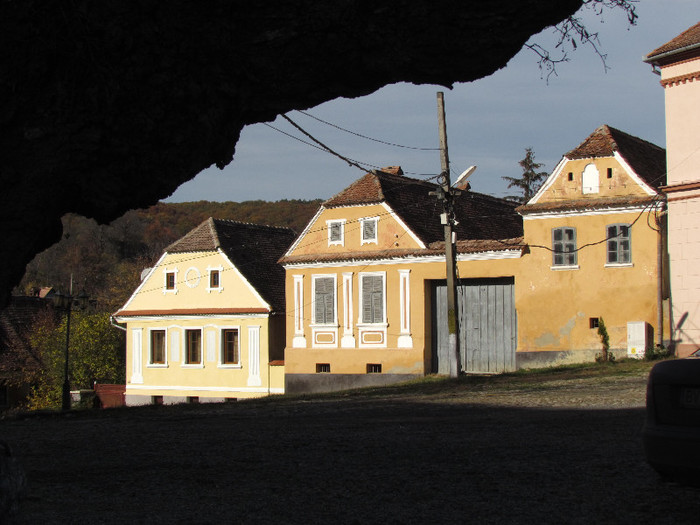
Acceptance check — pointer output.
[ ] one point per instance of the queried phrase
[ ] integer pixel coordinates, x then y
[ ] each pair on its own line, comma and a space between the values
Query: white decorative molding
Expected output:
193, 281
137, 355
299, 340
174, 349
324, 336
254, 356
211, 346
170, 388
348, 340
405, 340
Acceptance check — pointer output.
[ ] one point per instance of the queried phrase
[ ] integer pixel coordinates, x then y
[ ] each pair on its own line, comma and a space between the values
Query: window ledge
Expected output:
619, 265
185, 365
317, 325
372, 325
230, 366
156, 365
563, 267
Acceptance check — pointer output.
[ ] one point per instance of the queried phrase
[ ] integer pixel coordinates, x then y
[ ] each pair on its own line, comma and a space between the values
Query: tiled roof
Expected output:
435, 248
687, 39
189, 311
589, 204
479, 216
646, 159
254, 250
16, 320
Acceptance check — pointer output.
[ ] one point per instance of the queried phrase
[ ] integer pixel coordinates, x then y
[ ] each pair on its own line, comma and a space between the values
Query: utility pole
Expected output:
446, 194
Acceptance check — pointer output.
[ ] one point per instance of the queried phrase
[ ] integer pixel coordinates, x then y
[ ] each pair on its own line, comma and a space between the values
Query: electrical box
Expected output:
640, 336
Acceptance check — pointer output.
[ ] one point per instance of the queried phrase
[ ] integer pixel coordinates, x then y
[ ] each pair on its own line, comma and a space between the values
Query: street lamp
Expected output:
67, 302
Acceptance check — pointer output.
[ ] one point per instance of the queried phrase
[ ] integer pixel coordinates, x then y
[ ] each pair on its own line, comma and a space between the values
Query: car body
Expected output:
671, 433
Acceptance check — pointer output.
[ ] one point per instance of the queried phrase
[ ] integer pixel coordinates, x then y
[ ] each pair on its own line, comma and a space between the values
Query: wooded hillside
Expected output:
106, 261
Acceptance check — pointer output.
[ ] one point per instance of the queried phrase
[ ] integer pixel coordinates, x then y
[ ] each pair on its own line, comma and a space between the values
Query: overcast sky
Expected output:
490, 122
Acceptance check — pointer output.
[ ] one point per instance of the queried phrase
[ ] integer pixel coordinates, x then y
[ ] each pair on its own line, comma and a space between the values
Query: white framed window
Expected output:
368, 230
170, 280
230, 355
336, 232
373, 297
619, 244
590, 179
157, 348
324, 299
214, 279
564, 247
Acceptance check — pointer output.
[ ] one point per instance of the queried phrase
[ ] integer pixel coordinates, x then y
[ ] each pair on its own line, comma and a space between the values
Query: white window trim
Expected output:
361, 301
149, 363
254, 378
219, 269
221, 363
137, 355
629, 240
184, 363
562, 267
166, 271
335, 299
362, 230
348, 340
340, 242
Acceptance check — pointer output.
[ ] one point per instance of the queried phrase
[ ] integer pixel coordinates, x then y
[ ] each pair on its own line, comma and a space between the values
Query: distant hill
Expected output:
106, 260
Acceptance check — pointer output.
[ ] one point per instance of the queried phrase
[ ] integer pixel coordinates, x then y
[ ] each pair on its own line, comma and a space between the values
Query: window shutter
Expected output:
369, 230
324, 300
372, 298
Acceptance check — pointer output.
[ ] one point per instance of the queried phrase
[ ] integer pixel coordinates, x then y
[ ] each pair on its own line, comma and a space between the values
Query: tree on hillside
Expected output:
529, 182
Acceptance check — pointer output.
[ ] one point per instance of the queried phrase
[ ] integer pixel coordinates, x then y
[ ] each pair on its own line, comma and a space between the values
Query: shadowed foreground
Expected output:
451, 456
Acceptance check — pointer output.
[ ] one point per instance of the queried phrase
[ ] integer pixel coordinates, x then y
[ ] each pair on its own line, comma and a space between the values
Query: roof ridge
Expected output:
245, 223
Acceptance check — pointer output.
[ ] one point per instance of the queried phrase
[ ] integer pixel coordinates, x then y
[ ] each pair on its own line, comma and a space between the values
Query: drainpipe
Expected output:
114, 323
661, 223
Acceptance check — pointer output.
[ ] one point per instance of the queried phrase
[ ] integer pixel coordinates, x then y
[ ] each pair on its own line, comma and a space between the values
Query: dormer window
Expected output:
336, 232
369, 230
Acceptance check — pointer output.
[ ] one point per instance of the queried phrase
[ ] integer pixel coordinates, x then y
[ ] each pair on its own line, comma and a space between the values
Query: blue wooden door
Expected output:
487, 325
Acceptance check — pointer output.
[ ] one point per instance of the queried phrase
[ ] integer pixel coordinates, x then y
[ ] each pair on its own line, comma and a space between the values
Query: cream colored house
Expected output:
678, 62
207, 322
365, 285
595, 233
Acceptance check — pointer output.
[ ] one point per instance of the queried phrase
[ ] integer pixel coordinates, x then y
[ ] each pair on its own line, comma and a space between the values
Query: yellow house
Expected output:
207, 321
364, 283
595, 233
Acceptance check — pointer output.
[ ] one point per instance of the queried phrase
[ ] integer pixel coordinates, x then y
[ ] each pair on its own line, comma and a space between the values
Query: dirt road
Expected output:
554, 449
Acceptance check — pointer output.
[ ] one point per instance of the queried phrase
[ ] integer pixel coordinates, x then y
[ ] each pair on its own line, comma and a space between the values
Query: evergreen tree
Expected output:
529, 182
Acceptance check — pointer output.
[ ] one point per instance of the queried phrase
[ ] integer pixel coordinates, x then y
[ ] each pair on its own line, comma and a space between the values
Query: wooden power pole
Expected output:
446, 195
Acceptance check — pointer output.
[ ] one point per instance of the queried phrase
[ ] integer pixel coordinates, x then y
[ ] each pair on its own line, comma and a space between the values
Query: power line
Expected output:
365, 136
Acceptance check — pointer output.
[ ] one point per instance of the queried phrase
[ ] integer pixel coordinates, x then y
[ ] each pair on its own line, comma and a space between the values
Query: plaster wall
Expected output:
210, 378
682, 124
684, 251
555, 305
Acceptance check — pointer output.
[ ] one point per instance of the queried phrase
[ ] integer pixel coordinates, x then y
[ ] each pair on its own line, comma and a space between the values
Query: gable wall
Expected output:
391, 234
621, 184
192, 282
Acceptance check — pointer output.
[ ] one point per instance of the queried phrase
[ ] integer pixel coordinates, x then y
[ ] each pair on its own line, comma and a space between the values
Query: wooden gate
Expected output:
487, 325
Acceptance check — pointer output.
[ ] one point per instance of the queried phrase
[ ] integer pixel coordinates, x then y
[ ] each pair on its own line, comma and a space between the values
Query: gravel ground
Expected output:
530, 449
